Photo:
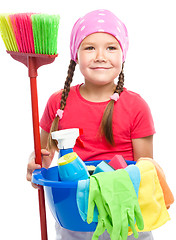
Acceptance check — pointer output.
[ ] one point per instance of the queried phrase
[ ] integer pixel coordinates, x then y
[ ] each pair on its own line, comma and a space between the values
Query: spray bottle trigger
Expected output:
80, 142
80, 131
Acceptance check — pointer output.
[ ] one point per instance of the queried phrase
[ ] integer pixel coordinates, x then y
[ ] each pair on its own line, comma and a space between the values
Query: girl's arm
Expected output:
143, 147
47, 157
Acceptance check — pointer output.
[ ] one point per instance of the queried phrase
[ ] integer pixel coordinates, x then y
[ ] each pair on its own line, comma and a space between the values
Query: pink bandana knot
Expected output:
59, 113
115, 97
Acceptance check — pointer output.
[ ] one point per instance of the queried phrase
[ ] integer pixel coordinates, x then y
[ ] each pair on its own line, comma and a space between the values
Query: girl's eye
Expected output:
89, 48
111, 48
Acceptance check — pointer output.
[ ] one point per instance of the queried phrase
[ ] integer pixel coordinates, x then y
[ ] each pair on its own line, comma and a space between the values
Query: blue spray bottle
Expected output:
70, 165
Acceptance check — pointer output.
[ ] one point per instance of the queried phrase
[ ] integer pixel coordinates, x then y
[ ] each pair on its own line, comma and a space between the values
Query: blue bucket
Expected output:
61, 198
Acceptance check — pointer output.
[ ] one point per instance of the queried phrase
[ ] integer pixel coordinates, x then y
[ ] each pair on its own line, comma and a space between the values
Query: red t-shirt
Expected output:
131, 119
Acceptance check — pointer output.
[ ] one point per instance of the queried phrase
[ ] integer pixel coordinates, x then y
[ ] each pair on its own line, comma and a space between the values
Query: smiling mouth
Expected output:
100, 68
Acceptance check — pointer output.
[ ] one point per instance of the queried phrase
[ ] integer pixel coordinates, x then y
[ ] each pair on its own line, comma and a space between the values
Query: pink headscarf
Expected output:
98, 21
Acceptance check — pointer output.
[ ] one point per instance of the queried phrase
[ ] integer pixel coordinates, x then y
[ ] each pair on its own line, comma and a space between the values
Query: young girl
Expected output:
114, 120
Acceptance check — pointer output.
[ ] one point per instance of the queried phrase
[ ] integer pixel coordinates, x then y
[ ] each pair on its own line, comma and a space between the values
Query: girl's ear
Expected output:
77, 59
77, 62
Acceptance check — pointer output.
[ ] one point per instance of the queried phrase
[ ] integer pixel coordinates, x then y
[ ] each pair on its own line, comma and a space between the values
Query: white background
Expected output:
149, 70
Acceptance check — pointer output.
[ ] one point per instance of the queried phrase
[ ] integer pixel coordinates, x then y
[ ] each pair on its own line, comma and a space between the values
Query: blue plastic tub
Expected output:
61, 198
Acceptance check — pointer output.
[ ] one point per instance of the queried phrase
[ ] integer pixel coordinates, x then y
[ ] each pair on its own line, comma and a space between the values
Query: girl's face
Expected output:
100, 58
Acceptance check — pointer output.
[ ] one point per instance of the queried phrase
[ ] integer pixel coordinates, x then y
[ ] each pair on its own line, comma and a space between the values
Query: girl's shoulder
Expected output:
134, 102
130, 94
132, 97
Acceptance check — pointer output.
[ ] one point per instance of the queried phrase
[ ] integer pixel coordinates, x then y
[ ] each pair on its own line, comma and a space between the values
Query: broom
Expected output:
32, 40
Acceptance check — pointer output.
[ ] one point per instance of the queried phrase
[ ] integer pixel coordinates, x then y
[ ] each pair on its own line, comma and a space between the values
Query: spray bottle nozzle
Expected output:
67, 138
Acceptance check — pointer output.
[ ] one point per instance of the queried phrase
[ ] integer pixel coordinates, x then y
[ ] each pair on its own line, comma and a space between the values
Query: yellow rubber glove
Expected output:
150, 197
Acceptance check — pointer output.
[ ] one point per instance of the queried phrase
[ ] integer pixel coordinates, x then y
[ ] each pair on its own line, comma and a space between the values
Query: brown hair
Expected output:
52, 144
106, 123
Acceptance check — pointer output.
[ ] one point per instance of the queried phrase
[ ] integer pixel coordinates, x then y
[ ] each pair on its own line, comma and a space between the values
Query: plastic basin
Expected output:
61, 198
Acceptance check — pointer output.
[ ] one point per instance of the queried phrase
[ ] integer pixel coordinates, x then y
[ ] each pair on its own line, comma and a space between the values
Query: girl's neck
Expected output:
97, 93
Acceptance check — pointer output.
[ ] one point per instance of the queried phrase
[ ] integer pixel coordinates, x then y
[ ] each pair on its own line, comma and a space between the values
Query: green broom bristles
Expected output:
45, 30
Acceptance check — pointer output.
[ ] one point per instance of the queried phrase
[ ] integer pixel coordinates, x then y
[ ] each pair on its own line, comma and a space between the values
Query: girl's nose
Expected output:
100, 56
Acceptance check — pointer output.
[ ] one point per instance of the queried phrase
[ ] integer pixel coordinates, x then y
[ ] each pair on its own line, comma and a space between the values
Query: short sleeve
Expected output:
50, 111
142, 124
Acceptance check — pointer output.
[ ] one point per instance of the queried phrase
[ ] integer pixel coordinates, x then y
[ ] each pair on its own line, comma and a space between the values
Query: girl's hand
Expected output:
46, 161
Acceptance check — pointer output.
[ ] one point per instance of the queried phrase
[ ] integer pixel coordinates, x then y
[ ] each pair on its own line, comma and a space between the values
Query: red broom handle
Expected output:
35, 118
37, 147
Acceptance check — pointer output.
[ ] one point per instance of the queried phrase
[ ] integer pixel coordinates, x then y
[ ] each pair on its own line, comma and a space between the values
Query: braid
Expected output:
67, 84
120, 84
106, 123
52, 144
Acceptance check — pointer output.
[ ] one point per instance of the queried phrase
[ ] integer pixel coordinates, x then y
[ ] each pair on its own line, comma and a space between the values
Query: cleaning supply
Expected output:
70, 165
83, 191
116, 192
66, 139
32, 40
135, 176
95, 200
168, 196
103, 167
118, 162
66, 199
150, 197
72, 168
82, 196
